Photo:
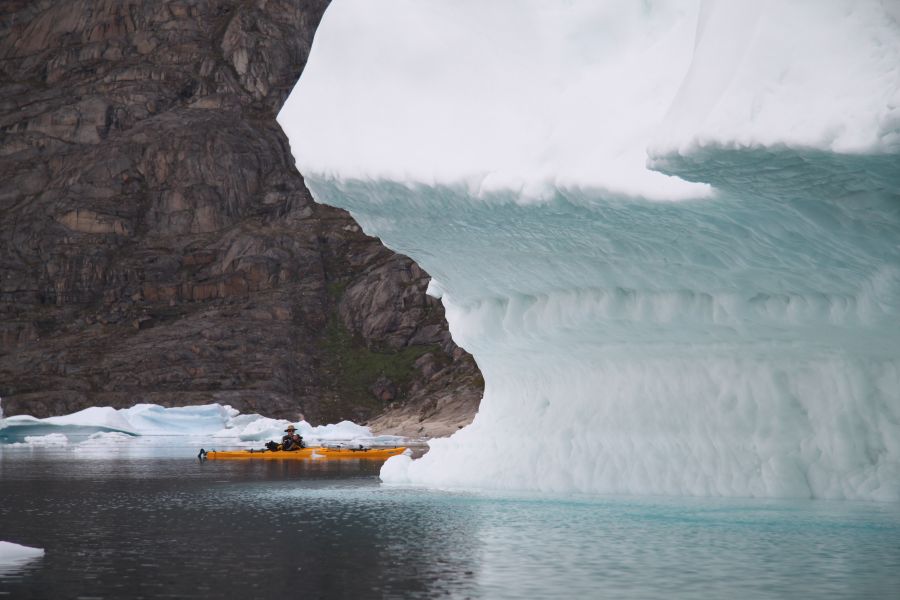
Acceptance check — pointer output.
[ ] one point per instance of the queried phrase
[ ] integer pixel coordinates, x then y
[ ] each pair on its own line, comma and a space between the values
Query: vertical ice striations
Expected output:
669, 232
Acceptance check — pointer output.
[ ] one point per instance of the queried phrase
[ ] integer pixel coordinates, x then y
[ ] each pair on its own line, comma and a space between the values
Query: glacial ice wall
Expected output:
668, 231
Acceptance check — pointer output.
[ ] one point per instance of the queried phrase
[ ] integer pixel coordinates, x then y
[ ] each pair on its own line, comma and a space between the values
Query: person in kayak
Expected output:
291, 441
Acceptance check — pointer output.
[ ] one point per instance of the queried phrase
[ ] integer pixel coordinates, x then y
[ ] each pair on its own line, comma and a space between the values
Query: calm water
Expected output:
169, 527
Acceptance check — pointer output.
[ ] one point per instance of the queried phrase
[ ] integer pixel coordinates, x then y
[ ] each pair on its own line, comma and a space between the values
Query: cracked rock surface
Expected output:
158, 245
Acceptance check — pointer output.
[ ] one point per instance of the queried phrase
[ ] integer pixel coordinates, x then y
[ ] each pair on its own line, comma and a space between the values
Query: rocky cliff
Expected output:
158, 245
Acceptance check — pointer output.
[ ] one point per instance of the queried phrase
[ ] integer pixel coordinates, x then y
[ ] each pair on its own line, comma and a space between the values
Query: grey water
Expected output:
170, 526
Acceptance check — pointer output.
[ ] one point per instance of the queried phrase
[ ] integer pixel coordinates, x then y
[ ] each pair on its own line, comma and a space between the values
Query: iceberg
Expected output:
139, 420
667, 231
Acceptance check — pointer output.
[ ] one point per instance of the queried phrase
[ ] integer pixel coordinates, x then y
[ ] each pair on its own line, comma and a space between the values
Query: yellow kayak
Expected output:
306, 453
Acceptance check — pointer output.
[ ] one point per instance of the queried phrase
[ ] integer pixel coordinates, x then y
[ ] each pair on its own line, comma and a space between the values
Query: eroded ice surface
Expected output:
667, 231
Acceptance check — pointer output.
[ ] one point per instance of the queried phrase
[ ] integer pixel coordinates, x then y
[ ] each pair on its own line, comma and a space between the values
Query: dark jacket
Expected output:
289, 443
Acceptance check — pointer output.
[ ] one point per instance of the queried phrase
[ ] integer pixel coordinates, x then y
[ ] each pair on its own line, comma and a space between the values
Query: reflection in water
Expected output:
158, 527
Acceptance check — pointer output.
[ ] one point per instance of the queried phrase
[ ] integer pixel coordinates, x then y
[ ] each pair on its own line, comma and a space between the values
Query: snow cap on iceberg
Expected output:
534, 95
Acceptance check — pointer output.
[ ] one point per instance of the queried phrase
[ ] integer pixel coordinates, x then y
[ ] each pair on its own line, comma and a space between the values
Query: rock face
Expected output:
158, 245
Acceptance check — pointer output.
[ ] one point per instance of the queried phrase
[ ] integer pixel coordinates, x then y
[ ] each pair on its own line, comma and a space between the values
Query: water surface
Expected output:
170, 527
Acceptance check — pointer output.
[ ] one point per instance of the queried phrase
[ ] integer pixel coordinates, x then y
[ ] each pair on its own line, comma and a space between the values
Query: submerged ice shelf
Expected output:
667, 231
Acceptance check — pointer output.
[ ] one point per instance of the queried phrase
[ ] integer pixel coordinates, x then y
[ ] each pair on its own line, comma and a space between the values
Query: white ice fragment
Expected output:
49, 440
106, 425
14, 556
396, 469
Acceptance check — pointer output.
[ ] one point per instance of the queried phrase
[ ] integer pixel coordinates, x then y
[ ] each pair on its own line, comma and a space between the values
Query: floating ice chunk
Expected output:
51, 439
396, 469
257, 428
345, 430
94, 416
150, 419
14, 556
80, 424
138, 420
105, 426
253, 428
10, 551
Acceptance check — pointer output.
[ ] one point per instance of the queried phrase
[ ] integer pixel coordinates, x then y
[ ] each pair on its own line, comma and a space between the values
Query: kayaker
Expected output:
286, 440
291, 441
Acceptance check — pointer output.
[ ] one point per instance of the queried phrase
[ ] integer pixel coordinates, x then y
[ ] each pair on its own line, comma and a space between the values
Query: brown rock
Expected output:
157, 244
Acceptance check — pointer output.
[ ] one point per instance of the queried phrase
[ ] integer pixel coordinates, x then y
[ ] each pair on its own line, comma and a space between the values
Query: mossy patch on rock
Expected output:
355, 369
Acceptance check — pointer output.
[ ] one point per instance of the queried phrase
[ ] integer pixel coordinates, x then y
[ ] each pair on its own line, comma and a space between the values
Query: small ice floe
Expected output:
43, 441
13, 557
103, 439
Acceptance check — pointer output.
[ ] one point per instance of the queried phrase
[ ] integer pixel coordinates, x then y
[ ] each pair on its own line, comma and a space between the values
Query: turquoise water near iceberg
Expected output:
174, 527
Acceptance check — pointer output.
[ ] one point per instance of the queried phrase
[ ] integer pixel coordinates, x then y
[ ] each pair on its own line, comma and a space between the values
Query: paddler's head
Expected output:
291, 429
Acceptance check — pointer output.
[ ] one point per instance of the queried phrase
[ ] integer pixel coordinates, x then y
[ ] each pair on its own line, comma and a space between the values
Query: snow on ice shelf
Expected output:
667, 231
